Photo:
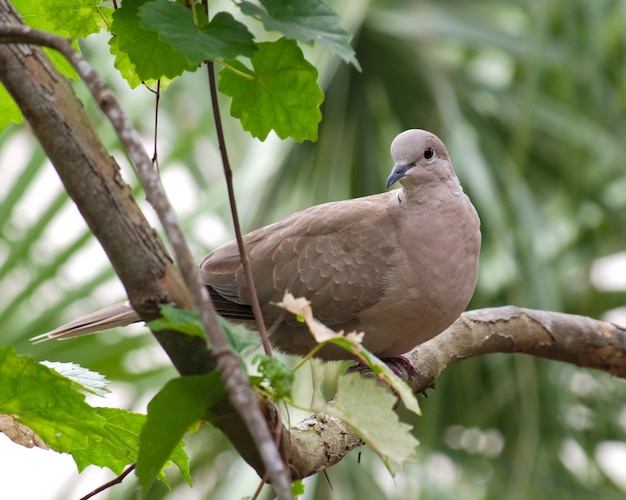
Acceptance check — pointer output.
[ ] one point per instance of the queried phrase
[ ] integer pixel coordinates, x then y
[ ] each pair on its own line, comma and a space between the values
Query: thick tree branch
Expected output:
321, 441
49, 104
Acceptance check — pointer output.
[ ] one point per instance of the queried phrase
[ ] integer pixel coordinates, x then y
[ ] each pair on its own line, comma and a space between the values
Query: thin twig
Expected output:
236, 383
228, 174
112, 482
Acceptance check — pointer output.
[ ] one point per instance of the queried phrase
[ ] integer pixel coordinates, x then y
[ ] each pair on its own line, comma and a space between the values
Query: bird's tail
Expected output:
121, 314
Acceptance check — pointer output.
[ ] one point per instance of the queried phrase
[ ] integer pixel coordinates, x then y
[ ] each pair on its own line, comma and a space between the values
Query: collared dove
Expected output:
400, 266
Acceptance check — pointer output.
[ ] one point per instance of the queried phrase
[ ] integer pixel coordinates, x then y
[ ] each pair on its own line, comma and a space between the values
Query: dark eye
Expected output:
429, 153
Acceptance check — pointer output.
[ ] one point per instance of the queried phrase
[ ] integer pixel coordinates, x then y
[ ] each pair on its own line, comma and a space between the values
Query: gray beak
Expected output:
397, 173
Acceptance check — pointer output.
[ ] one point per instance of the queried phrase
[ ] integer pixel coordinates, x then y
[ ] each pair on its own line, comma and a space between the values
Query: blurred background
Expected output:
530, 98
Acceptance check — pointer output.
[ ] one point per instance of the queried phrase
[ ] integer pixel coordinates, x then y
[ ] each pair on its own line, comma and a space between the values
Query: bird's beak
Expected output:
397, 173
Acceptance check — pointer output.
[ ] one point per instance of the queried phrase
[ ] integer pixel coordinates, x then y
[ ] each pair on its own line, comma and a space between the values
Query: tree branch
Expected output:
48, 93
321, 441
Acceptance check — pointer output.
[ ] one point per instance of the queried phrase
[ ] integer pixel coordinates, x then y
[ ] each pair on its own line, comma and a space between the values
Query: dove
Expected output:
400, 266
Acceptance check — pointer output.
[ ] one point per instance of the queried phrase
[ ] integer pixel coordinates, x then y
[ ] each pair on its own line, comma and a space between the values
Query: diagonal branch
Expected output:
23, 63
321, 441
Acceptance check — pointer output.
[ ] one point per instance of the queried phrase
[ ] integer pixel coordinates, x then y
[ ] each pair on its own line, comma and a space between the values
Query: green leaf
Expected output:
281, 92
188, 321
182, 320
46, 402
222, 38
297, 488
182, 404
33, 16
278, 375
368, 408
78, 18
94, 382
305, 20
120, 444
140, 55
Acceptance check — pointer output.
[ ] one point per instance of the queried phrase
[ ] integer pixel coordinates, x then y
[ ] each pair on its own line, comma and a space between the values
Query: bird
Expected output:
400, 266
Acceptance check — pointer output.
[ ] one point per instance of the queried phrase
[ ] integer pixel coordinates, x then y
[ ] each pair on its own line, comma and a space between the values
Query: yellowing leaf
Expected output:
368, 408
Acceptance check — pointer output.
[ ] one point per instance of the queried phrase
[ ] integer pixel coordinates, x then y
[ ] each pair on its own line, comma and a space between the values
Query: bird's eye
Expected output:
429, 153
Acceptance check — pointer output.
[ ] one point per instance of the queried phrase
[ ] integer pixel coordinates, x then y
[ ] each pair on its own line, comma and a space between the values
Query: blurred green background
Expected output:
530, 98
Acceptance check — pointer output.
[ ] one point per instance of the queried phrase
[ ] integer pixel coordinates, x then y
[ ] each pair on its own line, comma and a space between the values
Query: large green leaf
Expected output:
79, 18
222, 38
305, 20
191, 398
149, 56
368, 408
280, 93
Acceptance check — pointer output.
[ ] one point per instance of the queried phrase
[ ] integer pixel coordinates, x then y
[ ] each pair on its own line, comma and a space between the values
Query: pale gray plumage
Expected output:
400, 266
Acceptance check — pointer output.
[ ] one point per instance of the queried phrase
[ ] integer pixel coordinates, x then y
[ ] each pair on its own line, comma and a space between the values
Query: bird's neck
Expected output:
429, 191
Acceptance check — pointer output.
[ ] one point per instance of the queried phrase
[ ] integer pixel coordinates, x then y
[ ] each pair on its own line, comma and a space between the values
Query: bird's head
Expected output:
419, 157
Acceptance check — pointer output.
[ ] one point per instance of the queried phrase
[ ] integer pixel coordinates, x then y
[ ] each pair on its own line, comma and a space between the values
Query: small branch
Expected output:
112, 482
228, 174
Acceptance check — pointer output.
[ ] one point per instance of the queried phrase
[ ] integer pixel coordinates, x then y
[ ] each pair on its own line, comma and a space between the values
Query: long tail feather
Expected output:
121, 314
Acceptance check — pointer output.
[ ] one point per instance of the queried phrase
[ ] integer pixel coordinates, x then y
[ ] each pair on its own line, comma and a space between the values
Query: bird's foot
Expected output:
400, 365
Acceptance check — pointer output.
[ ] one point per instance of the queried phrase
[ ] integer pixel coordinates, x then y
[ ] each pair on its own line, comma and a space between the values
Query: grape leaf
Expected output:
120, 445
368, 408
150, 57
305, 20
280, 93
222, 38
45, 401
351, 342
191, 397
33, 16
78, 18
38, 403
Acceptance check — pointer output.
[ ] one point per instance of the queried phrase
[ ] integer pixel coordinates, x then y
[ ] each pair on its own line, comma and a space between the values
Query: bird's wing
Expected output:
337, 255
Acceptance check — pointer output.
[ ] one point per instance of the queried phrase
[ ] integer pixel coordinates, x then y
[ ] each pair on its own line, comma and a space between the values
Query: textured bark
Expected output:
321, 441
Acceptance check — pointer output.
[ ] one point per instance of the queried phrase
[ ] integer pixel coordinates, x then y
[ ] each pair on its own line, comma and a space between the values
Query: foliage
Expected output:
529, 98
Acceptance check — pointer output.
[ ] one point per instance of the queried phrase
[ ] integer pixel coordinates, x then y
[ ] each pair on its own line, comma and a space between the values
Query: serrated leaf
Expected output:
120, 445
79, 18
92, 381
34, 16
46, 402
191, 397
351, 342
368, 408
305, 20
151, 58
278, 375
40, 400
222, 38
280, 93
